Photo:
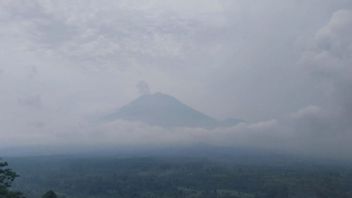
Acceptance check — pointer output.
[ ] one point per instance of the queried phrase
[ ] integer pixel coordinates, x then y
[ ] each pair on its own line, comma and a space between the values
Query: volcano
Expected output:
164, 110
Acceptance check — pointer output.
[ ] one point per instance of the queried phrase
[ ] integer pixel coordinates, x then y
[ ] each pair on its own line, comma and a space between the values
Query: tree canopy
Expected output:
50, 194
7, 176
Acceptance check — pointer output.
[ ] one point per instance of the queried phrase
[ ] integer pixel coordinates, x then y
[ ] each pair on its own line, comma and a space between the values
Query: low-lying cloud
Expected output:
61, 70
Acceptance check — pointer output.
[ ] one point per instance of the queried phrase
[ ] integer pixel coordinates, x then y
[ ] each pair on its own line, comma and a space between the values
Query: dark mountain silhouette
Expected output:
165, 110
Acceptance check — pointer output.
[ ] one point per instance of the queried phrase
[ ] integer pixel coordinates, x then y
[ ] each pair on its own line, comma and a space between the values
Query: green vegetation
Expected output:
7, 176
50, 194
179, 177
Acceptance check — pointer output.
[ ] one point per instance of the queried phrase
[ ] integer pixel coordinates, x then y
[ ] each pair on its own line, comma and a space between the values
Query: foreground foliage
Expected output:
7, 176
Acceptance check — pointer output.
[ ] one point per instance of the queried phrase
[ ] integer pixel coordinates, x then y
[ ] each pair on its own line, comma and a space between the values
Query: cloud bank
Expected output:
285, 70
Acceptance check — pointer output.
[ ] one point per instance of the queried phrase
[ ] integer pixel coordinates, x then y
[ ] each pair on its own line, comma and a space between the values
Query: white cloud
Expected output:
64, 63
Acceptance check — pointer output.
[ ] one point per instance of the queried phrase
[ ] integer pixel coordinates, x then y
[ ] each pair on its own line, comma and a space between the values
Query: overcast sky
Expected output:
284, 66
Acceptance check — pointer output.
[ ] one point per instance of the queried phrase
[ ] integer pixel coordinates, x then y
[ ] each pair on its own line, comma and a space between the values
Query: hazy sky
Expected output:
284, 66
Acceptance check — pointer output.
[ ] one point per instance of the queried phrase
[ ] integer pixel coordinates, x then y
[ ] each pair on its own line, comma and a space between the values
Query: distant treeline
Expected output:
178, 177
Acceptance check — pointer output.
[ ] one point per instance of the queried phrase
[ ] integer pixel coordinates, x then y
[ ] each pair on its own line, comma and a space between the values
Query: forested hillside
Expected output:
179, 177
